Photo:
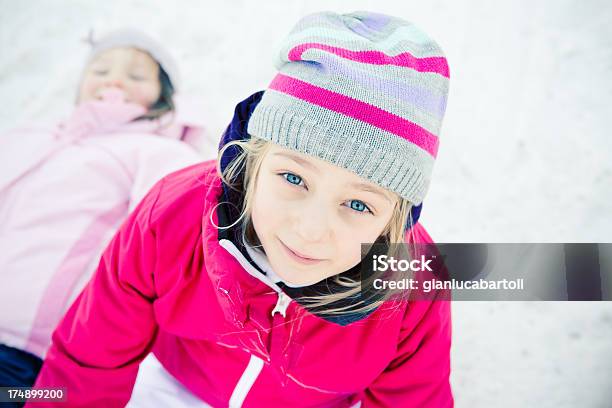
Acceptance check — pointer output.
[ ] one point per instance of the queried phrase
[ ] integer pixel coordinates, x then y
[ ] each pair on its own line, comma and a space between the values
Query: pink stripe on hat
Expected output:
357, 109
437, 65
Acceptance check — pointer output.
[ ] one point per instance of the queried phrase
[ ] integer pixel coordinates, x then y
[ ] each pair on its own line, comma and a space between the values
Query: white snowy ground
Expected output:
526, 154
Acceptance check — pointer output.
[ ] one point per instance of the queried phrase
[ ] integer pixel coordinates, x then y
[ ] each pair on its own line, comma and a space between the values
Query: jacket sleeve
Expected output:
97, 347
419, 374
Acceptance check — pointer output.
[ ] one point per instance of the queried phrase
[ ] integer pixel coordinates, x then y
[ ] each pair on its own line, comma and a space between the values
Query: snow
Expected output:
525, 155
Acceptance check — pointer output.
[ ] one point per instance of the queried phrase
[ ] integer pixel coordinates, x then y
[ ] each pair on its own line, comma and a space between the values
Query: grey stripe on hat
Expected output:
366, 150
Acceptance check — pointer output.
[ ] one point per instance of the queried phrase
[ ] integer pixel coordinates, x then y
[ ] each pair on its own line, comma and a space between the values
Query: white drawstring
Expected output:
283, 301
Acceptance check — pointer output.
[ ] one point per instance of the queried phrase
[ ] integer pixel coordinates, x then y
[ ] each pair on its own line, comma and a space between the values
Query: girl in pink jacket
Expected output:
241, 276
64, 190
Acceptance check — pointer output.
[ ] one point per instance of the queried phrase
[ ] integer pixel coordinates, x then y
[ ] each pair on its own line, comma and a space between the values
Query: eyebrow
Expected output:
367, 187
299, 160
307, 164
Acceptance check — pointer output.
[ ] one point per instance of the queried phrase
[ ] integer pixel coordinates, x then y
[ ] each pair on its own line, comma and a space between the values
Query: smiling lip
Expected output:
298, 257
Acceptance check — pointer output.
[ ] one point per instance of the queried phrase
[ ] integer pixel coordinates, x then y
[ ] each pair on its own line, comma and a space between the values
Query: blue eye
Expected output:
292, 178
359, 206
355, 205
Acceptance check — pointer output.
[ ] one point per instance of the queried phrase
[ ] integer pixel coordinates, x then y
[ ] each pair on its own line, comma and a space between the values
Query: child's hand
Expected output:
103, 115
112, 94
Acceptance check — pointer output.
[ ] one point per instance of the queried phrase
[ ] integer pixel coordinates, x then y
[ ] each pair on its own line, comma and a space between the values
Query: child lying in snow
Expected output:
65, 190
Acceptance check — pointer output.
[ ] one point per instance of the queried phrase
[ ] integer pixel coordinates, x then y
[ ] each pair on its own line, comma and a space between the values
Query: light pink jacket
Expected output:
167, 283
63, 193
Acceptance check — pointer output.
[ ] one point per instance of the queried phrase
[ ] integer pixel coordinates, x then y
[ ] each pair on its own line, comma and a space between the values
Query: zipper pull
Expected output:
282, 303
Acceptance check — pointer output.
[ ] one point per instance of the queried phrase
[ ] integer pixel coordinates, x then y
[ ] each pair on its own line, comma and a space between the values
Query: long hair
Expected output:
165, 102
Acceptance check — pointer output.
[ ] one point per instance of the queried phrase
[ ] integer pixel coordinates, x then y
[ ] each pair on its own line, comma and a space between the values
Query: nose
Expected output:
312, 223
114, 81
117, 83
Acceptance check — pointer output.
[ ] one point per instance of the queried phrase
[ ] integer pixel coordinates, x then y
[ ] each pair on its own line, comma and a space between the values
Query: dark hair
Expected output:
164, 103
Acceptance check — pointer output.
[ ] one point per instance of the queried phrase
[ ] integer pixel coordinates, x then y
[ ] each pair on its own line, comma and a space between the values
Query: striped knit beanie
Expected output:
364, 91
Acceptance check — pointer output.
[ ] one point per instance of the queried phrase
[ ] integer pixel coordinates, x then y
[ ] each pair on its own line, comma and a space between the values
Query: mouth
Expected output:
298, 257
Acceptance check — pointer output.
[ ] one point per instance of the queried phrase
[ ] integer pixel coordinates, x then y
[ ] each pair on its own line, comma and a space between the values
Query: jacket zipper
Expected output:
278, 335
282, 303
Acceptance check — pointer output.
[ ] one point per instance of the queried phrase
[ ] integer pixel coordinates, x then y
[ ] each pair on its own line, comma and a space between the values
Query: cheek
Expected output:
268, 211
349, 240
348, 247
88, 88
143, 94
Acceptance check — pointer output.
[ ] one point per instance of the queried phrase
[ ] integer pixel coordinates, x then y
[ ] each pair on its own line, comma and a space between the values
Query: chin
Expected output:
298, 276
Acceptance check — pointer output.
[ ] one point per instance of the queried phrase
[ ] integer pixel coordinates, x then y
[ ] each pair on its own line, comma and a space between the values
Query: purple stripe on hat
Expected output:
372, 21
418, 96
358, 110
436, 65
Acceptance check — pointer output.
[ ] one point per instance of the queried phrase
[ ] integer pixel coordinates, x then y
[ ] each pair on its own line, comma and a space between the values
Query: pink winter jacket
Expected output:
64, 191
167, 284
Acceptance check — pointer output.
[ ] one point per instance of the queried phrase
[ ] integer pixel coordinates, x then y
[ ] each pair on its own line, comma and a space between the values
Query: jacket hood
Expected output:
228, 214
